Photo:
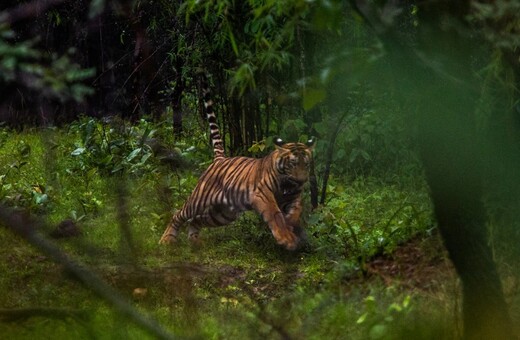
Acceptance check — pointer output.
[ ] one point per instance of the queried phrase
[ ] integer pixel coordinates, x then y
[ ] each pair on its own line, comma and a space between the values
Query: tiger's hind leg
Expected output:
172, 230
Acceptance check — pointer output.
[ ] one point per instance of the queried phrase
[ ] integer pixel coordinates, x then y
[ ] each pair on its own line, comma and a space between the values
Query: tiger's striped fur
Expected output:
271, 185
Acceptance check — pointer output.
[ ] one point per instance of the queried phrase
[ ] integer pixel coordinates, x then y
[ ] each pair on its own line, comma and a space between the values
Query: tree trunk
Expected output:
453, 172
436, 76
177, 94
454, 159
313, 184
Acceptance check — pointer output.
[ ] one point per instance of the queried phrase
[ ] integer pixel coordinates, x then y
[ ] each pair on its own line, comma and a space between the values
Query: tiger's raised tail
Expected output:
216, 139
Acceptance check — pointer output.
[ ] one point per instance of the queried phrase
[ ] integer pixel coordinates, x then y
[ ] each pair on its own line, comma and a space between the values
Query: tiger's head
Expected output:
293, 159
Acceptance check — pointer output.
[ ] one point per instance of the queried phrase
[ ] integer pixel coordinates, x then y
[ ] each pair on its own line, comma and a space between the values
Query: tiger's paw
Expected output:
288, 239
291, 245
168, 239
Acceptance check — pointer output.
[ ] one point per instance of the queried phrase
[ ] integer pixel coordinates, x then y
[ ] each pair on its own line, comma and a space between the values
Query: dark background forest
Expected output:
411, 212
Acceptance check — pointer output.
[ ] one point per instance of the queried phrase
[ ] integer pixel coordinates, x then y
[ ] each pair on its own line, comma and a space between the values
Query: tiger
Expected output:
272, 186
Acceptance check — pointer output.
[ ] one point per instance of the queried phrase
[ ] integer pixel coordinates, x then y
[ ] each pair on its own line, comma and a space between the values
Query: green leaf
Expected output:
394, 307
41, 198
232, 40
133, 154
91, 173
406, 301
312, 97
353, 155
77, 152
370, 303
145, 157
365, 155
362, 318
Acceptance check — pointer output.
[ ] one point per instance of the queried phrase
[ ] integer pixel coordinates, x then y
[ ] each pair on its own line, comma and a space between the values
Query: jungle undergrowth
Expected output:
238, 273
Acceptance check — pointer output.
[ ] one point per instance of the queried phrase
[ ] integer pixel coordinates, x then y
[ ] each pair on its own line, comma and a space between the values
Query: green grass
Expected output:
237, 284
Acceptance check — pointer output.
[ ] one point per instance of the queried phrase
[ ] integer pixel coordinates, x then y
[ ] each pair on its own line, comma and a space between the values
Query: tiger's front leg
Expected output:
292, 213
292, 216
267, 207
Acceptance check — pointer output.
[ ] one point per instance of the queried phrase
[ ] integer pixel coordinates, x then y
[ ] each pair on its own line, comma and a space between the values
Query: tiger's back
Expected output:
271, 185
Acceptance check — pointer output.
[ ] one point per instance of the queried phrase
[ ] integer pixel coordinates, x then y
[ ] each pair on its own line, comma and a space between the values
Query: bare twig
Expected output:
330, 155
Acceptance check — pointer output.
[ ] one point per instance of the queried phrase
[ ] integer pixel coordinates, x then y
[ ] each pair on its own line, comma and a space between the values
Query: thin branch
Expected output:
330, 155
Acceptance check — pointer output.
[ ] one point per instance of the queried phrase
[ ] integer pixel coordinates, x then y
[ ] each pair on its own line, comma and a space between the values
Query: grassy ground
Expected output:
373, 266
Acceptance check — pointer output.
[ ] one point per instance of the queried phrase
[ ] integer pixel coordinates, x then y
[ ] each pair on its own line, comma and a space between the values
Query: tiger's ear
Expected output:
311, 142
278, 142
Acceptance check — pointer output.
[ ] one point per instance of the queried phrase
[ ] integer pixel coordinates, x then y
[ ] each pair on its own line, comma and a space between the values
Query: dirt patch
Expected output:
124, 277
421, 263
